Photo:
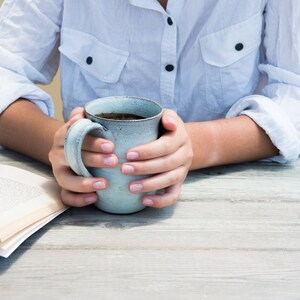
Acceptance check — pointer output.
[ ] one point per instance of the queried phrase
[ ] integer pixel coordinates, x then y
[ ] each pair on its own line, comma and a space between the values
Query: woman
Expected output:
201, 60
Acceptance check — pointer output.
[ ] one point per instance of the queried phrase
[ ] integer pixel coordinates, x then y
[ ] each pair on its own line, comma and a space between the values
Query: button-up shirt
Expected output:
203, 59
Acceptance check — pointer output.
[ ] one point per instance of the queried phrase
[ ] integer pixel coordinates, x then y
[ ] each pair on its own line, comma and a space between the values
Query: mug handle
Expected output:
73, 143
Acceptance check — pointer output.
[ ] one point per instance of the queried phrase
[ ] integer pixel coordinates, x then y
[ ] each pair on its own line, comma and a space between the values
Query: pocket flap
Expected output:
229, 45
102, 61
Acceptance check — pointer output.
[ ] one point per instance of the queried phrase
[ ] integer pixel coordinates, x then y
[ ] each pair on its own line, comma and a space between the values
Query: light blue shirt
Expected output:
204, 59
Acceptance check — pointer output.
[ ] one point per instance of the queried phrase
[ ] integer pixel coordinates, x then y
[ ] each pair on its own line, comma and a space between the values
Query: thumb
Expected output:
76, 114
170, 120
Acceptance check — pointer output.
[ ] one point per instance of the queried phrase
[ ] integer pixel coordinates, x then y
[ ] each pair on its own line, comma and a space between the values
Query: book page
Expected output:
10, 245
25, 198
15, 193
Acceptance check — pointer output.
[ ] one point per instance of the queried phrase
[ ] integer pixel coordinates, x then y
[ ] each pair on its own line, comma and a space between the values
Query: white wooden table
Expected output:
234, 234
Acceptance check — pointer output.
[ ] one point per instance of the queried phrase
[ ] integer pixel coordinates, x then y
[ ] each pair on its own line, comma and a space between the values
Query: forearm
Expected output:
228, 141
25, 129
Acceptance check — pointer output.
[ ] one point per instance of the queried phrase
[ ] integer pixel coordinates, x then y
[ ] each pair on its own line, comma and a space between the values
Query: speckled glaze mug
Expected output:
125, 134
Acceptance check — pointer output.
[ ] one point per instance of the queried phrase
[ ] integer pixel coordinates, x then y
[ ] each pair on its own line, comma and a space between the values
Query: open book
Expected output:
27, 203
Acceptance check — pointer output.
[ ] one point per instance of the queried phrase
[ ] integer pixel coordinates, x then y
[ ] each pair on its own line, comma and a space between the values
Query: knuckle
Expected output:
143, 169
166, 200
171, 163
173, 178
190, 154
91, 160
173, 196
183, 174
60, 176
51, 157
57, 136
190, 158
66, 198
177, 193
71, 199
146, 152
60, 180
88, 142
168, 146
172, 199
83, 185
63, 196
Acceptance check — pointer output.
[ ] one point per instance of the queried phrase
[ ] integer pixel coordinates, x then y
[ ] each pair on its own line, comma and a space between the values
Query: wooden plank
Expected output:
249, 182
234, 234
148, 274
196, 226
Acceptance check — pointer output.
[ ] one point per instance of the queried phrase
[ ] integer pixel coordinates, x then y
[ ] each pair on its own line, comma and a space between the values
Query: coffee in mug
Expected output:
119, 116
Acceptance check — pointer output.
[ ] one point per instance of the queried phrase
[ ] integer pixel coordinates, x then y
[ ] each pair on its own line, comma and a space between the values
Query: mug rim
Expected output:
118, 97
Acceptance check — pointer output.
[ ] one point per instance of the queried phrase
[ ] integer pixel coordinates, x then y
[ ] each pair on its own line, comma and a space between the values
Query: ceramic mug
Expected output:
125, 134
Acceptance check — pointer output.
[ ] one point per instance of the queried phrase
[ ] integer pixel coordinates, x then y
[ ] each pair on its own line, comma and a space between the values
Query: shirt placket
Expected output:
168, 62
168, 50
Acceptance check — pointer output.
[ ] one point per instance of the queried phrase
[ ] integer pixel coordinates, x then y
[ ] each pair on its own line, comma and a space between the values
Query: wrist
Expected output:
205, 145
228, 141
28, 130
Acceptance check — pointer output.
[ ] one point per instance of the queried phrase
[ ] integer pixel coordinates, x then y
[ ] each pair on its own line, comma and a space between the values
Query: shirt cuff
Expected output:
15, 86
268, 115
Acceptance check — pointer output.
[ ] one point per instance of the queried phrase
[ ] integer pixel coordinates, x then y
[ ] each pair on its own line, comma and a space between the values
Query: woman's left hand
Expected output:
168, 159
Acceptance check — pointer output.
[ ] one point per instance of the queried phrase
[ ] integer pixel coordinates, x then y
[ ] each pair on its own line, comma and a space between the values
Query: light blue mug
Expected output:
125, 134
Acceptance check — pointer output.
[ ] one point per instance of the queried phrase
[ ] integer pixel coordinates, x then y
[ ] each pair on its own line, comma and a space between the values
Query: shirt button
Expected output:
239, 47
89, 60
170, 21
169, 68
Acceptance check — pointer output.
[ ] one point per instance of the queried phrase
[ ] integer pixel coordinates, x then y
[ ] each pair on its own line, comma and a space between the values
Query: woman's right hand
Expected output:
96, 152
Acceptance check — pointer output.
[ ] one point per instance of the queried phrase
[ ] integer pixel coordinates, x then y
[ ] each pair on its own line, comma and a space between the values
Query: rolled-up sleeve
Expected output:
29, 37
277, 108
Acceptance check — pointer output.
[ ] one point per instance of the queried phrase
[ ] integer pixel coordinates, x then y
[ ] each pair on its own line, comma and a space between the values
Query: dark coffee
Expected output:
119, 116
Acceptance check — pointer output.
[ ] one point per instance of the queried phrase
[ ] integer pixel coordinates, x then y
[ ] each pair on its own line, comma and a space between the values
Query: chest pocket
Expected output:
231, 58
89, 65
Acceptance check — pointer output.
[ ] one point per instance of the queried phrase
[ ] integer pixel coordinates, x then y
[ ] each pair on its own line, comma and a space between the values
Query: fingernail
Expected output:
106, 147
148, 202
127, 169
99, 185
90, 199
132, 155
109, 161
136, 187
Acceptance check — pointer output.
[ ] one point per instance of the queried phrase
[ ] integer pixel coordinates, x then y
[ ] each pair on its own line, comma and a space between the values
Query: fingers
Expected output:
69, 181
90, 143
94, 144
76, 190
78, 112
78, 200
97, 152
90, 159
163, 146
174, 138
98, 160
170, 120
159, 181
158, 165
170, 197
168, 159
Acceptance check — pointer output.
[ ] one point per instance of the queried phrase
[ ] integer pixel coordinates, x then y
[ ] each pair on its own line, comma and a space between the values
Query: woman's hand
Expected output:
168, 159
96, 152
